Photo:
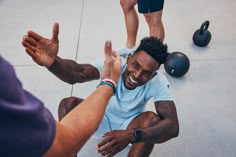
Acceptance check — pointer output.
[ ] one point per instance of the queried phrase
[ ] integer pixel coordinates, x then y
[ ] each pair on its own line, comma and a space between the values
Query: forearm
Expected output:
90, 110
163, 131
71, 72
83, 120
76, 127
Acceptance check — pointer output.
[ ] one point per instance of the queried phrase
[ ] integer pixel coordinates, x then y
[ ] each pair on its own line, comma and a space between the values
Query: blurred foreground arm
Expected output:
76, 127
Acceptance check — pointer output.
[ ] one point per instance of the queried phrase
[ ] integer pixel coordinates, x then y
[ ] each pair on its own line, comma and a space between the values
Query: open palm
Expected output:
42, 50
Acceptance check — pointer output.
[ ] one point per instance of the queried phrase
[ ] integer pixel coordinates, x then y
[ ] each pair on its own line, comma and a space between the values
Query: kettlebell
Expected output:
202, 36
177, 64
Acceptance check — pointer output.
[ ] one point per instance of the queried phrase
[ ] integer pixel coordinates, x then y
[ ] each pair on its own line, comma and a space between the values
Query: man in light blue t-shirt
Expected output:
125, 120
127, 103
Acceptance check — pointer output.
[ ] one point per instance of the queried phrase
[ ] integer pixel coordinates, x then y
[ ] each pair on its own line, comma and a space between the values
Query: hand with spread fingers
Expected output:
42, 50
113, 142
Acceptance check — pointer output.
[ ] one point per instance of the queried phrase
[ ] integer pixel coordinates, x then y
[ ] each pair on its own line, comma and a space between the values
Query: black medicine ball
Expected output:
177, 64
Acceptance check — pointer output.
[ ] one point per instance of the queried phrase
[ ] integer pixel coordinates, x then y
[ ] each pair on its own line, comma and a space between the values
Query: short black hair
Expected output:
154, 47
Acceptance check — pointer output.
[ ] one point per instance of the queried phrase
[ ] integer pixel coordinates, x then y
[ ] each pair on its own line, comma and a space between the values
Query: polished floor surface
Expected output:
204, 96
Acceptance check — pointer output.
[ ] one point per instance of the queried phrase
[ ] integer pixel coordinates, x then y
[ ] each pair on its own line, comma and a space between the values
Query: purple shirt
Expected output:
27, 128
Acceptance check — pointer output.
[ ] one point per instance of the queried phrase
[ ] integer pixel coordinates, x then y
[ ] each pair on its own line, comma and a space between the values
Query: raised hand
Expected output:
112, 64
42, 50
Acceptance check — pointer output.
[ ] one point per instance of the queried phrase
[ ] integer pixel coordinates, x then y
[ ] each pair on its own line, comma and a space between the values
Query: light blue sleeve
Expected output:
98, 63
161, 88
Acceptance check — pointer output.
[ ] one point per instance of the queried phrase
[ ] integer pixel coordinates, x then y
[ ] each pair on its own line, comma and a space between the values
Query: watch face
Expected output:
138, 134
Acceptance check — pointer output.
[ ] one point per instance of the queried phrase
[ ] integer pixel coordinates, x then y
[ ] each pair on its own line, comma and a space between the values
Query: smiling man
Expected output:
125, 115
125, 120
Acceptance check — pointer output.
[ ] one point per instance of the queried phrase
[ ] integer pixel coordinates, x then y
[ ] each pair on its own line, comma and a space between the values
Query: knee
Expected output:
151, 119
156, 22
64, 102
67, 104
148, 20
127, 5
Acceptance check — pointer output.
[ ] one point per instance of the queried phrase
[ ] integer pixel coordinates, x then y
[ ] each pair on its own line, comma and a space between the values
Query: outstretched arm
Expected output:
44, 52
71, 72
78, 125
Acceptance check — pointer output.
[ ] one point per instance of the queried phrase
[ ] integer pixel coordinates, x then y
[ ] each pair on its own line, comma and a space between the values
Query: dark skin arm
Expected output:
167, 127
44, 52
71, 72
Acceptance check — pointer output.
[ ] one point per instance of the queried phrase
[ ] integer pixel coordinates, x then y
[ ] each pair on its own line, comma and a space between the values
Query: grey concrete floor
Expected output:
204, 96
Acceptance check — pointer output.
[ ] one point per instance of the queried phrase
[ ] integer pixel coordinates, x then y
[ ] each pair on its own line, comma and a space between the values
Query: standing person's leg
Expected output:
131, 21
155, 24
152, 11
146, 119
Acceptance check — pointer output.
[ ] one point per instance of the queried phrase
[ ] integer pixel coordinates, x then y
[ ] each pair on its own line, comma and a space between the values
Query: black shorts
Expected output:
148, 6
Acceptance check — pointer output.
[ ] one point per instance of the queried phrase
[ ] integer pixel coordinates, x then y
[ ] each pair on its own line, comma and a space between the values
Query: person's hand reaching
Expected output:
42, 50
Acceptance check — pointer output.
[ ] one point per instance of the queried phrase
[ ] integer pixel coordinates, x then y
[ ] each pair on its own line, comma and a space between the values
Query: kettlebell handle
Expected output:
204, 26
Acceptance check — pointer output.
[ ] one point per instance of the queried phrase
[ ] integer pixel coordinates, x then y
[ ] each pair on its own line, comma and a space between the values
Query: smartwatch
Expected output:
138, 134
